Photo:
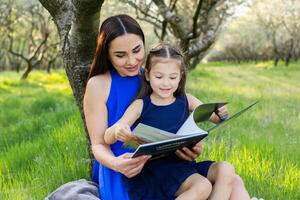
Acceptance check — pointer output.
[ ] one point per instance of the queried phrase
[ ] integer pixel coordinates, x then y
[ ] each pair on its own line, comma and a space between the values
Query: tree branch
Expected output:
145, 13
10, 49
195, 17
201, 44
173, 19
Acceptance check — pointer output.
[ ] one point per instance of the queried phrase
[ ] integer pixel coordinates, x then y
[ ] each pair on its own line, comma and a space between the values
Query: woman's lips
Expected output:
132, 69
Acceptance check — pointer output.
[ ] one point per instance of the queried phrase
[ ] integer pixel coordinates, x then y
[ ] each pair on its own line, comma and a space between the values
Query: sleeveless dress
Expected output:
161, 178
122, 92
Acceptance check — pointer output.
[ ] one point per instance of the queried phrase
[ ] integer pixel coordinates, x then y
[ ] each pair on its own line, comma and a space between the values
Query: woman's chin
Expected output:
132, 71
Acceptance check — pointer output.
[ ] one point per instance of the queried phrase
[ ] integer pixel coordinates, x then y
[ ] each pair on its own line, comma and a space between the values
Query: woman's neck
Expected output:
157, 100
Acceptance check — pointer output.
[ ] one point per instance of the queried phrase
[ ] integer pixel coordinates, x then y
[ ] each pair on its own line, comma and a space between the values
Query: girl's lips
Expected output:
165, 90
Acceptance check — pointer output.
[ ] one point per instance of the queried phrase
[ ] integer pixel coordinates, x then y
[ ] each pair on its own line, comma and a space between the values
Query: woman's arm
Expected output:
121, 130
95, 111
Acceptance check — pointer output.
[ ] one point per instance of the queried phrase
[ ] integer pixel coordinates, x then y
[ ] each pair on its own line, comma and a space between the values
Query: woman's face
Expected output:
126, 54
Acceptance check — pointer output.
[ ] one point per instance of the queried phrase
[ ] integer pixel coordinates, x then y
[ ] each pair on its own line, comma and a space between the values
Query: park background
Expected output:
239, 51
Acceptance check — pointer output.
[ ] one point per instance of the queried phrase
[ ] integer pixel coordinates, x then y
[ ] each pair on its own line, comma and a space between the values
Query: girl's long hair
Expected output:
164, 50
110, 29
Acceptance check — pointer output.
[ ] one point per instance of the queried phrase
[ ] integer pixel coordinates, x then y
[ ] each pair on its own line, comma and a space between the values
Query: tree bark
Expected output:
77, 22
195, 30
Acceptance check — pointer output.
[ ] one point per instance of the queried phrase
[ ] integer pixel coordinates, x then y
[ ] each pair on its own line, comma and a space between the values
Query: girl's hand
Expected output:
128, 166
188, 154
222, 113
123, 133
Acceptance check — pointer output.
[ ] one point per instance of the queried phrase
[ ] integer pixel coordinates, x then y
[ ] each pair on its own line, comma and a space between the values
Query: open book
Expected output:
160, 143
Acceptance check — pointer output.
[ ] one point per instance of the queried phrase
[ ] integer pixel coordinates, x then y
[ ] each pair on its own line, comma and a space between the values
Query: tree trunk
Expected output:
276, 61
289, 53
287, 61
27, 71
77, 22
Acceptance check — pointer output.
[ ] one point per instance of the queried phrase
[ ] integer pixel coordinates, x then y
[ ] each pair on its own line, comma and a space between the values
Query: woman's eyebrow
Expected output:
119, 52
135, 48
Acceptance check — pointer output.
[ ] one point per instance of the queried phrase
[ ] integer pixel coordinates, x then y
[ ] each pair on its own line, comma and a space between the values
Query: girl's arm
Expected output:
185, 153
95, 111
121, 130
194, 103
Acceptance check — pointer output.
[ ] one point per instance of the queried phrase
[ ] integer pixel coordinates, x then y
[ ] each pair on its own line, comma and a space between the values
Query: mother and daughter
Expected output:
119, 95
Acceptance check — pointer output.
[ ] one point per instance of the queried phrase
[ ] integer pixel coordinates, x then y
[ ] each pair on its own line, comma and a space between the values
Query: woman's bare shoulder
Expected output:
99, 85
98, 80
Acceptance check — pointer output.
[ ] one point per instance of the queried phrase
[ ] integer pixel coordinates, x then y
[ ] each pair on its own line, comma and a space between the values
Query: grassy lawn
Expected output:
43, 145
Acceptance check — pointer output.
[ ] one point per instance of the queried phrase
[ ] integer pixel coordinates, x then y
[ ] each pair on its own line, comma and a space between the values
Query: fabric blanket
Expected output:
76, 190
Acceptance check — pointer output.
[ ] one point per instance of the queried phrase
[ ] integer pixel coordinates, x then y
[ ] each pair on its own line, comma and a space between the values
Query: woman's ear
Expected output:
147, 75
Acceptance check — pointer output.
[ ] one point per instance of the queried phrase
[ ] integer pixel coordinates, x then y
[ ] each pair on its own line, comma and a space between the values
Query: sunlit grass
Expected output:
263, 143
43, 144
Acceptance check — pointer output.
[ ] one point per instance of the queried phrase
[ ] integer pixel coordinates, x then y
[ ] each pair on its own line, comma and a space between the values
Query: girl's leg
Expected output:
239, 191
195, 187
222, 176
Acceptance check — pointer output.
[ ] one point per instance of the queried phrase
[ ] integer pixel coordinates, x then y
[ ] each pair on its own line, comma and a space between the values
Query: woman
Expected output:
113, 84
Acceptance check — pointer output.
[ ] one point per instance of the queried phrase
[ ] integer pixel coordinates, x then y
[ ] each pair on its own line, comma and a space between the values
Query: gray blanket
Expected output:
76, 190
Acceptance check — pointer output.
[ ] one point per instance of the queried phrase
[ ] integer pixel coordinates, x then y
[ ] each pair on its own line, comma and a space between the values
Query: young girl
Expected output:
163, 104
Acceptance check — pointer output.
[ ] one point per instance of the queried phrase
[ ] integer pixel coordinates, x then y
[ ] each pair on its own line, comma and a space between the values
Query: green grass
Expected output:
43, 144
263, 143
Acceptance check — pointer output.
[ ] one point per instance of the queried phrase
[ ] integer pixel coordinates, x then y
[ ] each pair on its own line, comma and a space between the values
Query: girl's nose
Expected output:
165, 81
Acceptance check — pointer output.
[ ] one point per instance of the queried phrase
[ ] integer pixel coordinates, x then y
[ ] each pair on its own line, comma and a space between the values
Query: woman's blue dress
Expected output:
122, 93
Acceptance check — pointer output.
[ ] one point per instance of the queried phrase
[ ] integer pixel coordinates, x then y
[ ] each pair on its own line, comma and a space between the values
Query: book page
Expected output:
151, 134
200, 114
190, 127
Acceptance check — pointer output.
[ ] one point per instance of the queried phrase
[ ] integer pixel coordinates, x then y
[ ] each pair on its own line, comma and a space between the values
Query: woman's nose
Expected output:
131, 60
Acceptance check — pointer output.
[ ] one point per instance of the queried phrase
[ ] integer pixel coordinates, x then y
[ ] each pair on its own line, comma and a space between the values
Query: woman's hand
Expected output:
128, 166
123, 133
188, 154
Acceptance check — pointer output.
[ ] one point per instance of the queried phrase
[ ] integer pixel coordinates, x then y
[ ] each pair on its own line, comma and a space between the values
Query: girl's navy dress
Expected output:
161, 178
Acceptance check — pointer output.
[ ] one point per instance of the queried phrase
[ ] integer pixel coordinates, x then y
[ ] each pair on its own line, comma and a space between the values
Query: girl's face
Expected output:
126, 54
164, 78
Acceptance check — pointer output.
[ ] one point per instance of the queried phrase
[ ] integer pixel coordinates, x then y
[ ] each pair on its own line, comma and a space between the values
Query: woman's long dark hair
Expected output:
111, 28
164, 50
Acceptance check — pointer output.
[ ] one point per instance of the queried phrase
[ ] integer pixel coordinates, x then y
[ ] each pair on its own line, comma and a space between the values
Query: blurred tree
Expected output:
291, 24
261, 34
27, 36
193, 23
281, 27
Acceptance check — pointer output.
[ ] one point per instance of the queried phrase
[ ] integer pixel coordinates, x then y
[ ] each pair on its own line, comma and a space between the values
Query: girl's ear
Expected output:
147, 75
